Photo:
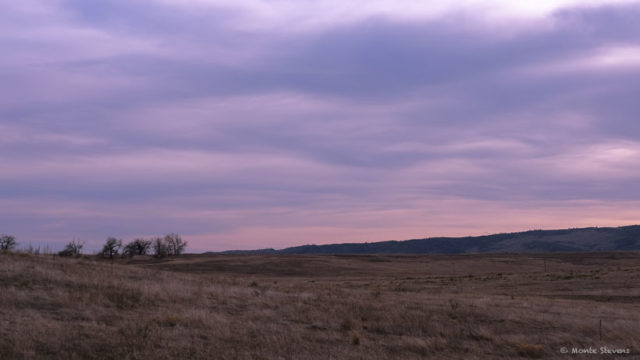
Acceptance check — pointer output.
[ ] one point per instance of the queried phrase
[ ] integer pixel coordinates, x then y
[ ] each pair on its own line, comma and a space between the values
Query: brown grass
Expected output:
318, 307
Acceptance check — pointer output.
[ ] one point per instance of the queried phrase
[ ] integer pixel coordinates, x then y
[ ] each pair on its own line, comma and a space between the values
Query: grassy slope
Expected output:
252, 307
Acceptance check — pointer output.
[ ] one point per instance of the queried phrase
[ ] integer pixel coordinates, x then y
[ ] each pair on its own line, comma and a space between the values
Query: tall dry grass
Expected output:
342, 308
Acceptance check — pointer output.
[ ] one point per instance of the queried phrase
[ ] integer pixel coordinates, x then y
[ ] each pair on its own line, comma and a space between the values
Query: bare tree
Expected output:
73, 248
175, 244
160, 248
137, 247
7, 242
111, 248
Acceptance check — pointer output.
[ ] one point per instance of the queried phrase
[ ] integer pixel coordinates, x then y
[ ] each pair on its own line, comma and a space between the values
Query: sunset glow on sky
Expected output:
244, 124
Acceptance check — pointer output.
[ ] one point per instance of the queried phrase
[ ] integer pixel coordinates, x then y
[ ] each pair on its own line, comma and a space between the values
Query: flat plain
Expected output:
484, 306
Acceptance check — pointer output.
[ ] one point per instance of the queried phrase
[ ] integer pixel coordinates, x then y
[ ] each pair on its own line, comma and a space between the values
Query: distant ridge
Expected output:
624, 238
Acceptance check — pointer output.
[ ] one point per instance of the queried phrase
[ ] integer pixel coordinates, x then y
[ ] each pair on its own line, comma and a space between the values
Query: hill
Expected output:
566, 240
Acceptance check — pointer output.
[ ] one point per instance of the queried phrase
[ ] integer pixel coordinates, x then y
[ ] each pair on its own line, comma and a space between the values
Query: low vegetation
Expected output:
317, 307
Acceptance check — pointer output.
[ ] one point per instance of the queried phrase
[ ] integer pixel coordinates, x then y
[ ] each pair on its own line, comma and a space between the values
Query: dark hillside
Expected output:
566, 240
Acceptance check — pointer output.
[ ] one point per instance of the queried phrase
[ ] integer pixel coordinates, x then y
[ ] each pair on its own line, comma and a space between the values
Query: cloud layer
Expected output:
247, 124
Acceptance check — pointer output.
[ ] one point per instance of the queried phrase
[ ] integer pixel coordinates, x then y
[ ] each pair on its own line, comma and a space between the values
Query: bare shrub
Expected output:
160, 248
73, 248
111, 248
7, 242
170, 245
175, 244
137, 247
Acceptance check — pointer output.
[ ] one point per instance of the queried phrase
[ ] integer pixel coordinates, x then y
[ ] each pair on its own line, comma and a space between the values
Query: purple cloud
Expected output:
244, 126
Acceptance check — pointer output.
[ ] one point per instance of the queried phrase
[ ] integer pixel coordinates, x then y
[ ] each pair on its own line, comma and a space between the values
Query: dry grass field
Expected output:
496, 306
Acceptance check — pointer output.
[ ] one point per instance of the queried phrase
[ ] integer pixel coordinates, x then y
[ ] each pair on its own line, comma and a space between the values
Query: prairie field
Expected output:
489, 306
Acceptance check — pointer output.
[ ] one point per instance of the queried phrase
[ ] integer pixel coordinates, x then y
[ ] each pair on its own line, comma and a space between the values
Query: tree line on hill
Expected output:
169, 245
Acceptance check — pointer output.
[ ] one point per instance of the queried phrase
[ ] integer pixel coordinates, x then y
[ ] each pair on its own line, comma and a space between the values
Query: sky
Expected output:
244, 124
